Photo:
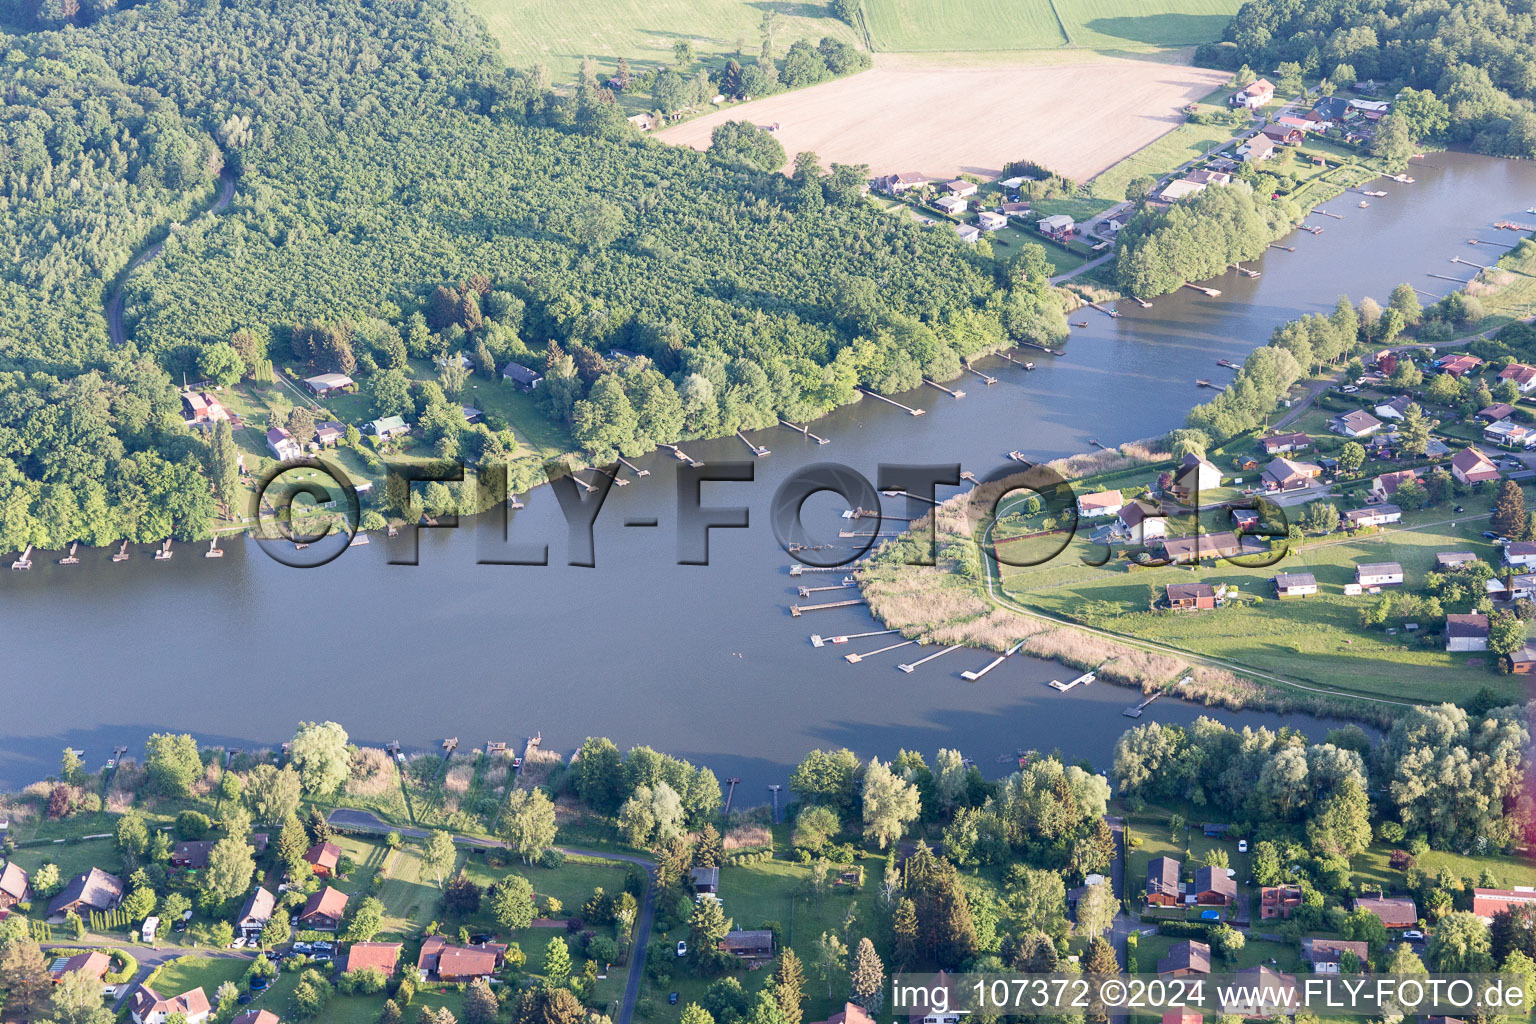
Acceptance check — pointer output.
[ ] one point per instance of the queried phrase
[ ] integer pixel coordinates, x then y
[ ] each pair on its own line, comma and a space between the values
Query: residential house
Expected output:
1141, 522
1285, 475
15, 886
991, 220
149, 1007
645, 122
968, 233
1205, 545
389, 427
1260, 147
1523, 661
1394, 410
853, 1013
960, 187
522, 376
1374, 110
323, 858
257, 1017
1214, 829
749, 945
1357, 423
1457, 365
192, 855
1254, 95
1279, 444
1185, 959
1178, 188
379, 956
1509, 434
323, 910
1017, 210
325, 383
256, 912
1267, 993
439, 961
705, 879
1188, 597
1471, 466
1327, 955
1100, 503
1517, 587
1376, 515
1306, 124
1379, 574
1495, 412
1058, 226
1283, 134
1392, 911
1194, 476
94, 890
1466, 632
1488, 902
1520, 553
92, 963
1295, 584
201, 409
1386, 485
896, 184
952, 205
1162, 882
282, 445
1330, 108
1208, 177
1522, 374
329, 433
1453, 559
1278, 901
1214, 887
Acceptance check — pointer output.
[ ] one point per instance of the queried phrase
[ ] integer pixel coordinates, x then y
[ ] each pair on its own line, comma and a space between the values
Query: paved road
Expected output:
345, 817
114, 309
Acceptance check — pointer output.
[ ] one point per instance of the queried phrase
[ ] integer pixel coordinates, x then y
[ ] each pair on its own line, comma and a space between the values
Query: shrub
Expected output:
124, 968
551, 858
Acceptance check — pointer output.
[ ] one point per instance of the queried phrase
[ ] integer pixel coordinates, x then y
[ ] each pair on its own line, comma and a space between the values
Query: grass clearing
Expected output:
1143, 24
918, 25
188, 972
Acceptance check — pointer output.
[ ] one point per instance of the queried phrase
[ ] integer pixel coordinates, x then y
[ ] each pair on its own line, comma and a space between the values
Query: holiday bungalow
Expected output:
439, 961
1327, 955
323, 910
323, 858
1195, 475
257, 1017
1470, 466
1509, 434
377, 956
15, 886
1356, 423
192, 855
1379, 574
282, 445
1376, 515
952, 205
1295, 584
1214, 887
149, 1007
1142, 523
1185, 959
960, 187
522, 376
968, 233
1260, 147
1254, 95
94, 890
1488, 902
1394, 410
1457, 365
389, 427
1495, 412
1392, 911
1162, 887
1466, 632
1278, 901
1285, 475
1262, 992
1205, 545
326, 383
1058, 226
749, 945
1522, 374
1100, 503
1453, 559
1189, 597
896, 184
1386, 485
991, 220
1208, 177
1520, 554
1179, 188
1523, 661
1283, 135
256, 912
1279, 444
92, 963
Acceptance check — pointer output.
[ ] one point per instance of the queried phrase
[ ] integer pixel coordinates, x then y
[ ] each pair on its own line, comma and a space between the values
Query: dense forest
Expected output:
1198, 237
399, 192
1479, 56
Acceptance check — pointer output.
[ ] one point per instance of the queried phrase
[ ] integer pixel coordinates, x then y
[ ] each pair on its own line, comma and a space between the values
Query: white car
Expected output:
1349, 389
1242, 846
239, 943
1413, 935
682, 949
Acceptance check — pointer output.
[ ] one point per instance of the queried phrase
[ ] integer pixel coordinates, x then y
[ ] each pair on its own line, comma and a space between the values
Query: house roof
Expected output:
95, 889
1186, 956
1259, 86
1524, 655
1519, 548
1163, 875
1389, 482
1330, 951
1470, 460
193, 854
329, 902
1190, 592
1214, 879
1286, 580
328, 380
521, 373
1488, 902
1132, 513
1496, 411
13, 880
744, 939
147, 1001
1181, 187
1520, 373
1101, 499
1354, 515
323, 855
1206, 545
1379, 569
1454, 558
467, 961
1357, 420
257, 1017
277, 434
852, 1013
387, 423
1284, 440
1393, 911
92, 963
259, 906
1259, 144
911, 177
382, 956
1474, 624
709, 876
1282, 470
1055, 222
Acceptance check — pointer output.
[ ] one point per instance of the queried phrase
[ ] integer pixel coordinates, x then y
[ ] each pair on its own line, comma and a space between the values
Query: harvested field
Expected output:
1078, 119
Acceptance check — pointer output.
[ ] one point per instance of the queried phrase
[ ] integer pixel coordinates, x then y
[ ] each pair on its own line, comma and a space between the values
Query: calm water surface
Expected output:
703, 661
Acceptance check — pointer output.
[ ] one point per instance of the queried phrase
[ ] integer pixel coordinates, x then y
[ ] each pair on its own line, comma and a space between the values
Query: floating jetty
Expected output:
514, 503
1229, 364
799, 568
1378, 193
23, 563
1364, 204
1019, 457
853, 658
1469, 263
808, 591
806, 431
1211, 292
1099, 444
632, 467
1016, 362
948, 391
1312, 228
71, 558
1136, 711
1143, 303
1446, 277
1080, 323
800, 609
1489, 241
122, 553
611, 476
1513, 225
1057, 351
1401, 179
1325, 213
1086, 679
909, 494
817, 640
986, 378
358, 540
164, 553
1112, 313
682, 456
214, 551
1244, 270
971, 675
1277, 245
757, 449
912, 667
891, 401
1208, 384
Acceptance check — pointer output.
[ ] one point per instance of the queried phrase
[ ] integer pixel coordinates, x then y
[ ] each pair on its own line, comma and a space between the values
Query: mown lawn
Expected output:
188, 972
1144, 24
918, 25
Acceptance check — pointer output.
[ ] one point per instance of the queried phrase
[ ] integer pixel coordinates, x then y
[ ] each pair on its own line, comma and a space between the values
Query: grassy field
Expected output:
1143, 24
186, 973
559, 35
918, 25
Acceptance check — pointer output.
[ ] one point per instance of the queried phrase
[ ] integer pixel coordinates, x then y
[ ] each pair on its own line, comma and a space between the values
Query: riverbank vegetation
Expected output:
1199, 237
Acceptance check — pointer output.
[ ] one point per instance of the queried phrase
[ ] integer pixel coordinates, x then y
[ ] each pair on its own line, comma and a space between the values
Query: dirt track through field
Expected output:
1077, 119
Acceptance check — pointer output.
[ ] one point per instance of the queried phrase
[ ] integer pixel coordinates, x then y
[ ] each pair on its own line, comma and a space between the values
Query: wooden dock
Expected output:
1312, 228
1143, 303
817, 640
913, 666
681, 455
1056, 351
23, 563
1229, 364
1325, 213
632, 467
987, 379
853, 657
1445, 277
71, 558
971, 675
1113, 314
891, 401
1200, 382
214, 551
805, 431
1019, 457
799, 568
1209, 292
808, 591
1468, 263
1024, 363
1136, 711
948, 391
164, 553
1513, 225
798, 610
1277, 245
1244, 270
908, 494
1086, 679
1489, 241
122, 553
757, 449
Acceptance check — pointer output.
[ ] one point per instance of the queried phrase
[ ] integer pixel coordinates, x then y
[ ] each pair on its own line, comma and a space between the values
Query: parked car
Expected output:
1349, 389
682, 948
1459, 508
1489, 535
672, 998
302, 947
239, 942
1242, 846
1413, 935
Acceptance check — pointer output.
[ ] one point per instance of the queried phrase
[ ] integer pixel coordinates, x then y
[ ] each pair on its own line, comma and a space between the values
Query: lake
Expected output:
701, 661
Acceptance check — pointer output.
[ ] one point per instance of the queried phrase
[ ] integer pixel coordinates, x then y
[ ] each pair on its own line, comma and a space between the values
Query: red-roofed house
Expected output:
853, 1013
1458, 365
257, 1017
1524, 376
441, 962
323, 910
15, 885
1392, 911
1386, 485
323, 857
93, 964
378, 956
1101, 503
149, 1007
1471, 466
1488, 902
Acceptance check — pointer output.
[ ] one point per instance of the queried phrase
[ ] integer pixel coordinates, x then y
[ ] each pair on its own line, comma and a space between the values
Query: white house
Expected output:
1523, 375
1378, 515
149, 1007
1466, 632
1179, 188
968, 232
1196, 475
1358, 423
1254, 95
1141, 523
389, 427
282, 444
952, 205
1520, 554
1379, 574
1100, 503
1057, 225
961, 187
991, 220
1295, 584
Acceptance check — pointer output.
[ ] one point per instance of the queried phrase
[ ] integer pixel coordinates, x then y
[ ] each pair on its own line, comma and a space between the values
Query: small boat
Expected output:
1029, 366
1364, 204
839, 640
